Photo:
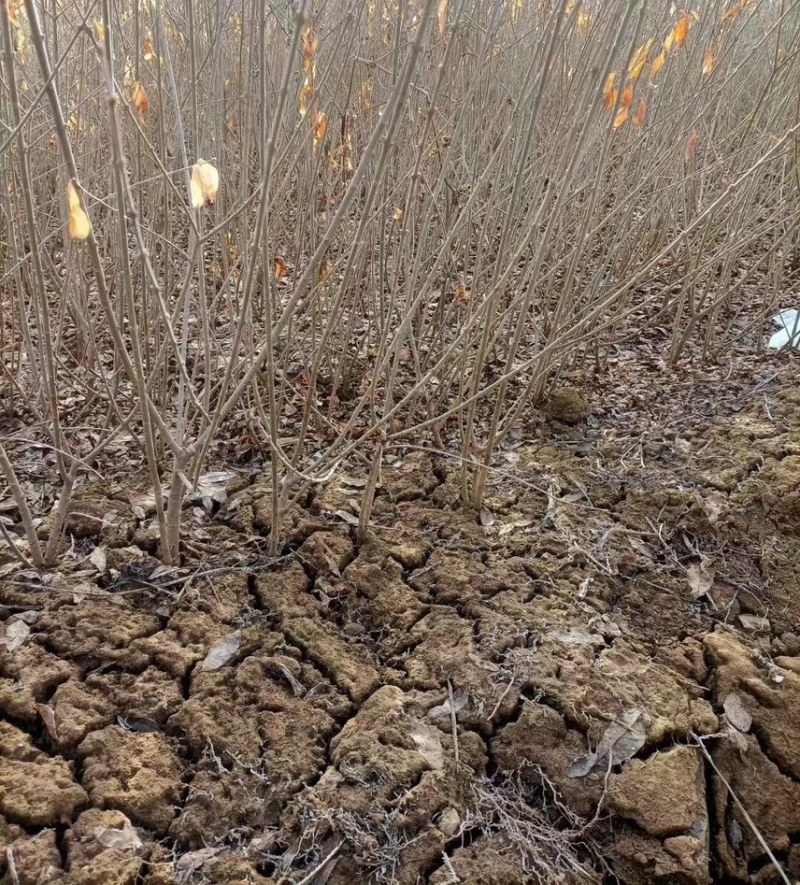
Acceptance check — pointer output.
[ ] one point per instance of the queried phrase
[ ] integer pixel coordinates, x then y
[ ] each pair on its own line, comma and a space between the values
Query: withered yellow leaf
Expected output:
709, 61
621, 118
610, 91
442, 17
79, 225
639, 60
99, 30
204, 183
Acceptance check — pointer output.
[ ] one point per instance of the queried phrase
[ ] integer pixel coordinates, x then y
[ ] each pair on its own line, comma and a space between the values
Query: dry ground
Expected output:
597, 676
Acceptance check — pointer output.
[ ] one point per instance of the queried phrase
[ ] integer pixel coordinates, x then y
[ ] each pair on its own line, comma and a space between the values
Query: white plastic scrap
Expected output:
788, 334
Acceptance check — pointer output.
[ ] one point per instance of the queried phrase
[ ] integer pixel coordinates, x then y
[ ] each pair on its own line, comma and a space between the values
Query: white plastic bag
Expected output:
788, 324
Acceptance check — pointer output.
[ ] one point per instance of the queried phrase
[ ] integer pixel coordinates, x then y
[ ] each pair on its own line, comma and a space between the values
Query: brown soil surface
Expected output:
596, 677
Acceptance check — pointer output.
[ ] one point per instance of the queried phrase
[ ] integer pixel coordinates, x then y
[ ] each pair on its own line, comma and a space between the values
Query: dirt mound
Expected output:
599, 674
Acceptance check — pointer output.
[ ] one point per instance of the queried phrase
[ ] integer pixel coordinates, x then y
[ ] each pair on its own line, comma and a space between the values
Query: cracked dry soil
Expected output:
603, 684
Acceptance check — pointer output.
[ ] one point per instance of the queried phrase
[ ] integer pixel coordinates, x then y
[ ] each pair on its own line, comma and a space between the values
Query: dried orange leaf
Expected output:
610, 91
79, 225
658, 63
319, 123
140, 100
149, 49
680, 31
306, 96
621, 118
627, 97
733, 11
280, 268
310, 44
691, 146
709, 61
204, 183
640, 114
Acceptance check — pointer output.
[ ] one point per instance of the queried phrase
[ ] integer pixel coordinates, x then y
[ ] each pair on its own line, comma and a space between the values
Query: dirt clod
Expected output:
567, 405
138, 774
35, 859
664, 794
91, 861
40, 792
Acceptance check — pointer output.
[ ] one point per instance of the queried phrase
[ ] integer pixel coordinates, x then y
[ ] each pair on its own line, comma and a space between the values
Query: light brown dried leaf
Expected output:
222, 651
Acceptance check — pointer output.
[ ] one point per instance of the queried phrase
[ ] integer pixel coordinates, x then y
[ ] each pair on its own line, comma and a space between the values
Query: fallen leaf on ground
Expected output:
211, 488
487, 517
98, 558
755, 623
701, 579
222, 651
620, 741
192, 861
429, 745
736, 712
16, 634
49, 720
144, 726
124, 839
443, 711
